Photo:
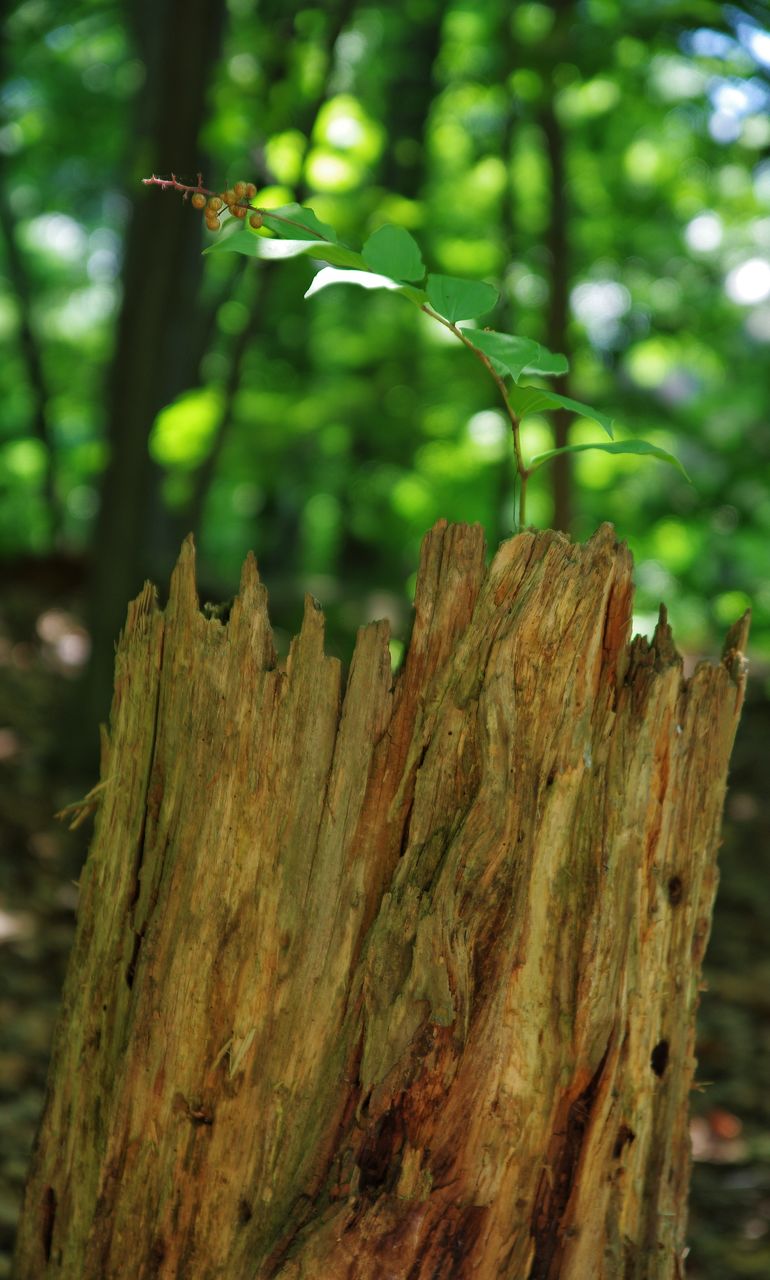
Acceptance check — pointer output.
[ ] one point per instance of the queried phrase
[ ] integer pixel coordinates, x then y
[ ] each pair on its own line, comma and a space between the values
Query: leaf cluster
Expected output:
391, 259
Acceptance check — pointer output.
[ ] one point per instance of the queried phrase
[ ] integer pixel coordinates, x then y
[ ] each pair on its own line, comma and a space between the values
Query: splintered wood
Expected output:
394, 980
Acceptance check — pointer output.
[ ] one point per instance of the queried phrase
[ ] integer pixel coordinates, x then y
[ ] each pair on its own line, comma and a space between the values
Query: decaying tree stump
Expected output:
399, 981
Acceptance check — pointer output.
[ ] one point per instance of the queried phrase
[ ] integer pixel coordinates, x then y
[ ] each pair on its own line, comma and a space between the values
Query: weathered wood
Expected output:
397, 981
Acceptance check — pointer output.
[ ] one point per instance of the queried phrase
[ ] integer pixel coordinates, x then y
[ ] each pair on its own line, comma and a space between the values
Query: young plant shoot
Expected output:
391, 259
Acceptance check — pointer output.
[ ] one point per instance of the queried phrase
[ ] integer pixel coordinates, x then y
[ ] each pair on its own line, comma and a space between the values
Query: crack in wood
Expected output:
558, 1179
48, 1216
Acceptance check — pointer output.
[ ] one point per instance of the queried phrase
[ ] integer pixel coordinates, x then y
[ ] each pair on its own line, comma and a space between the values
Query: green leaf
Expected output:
617, 446
526, 400
458, 299
549, 363
391, 251
507, 354
337, 255
515, 356
295, 222
366, 280
257, 246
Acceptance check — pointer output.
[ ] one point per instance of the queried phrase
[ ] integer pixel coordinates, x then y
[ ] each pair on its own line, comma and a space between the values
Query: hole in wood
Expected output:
131, 970
49, 1217
625, 1138
659, 1057
158, 1252
675, 891
378, 1161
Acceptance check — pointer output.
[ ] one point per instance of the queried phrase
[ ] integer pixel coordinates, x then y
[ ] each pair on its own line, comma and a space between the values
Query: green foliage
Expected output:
439, 121
529, 400
516, 356
390, 258
293, 222
457, 299
327, 437
617, 446
365, 280
391, 251
253, 245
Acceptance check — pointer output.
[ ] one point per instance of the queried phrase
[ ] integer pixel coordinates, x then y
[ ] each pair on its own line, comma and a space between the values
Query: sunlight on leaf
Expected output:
366, 280
257, 246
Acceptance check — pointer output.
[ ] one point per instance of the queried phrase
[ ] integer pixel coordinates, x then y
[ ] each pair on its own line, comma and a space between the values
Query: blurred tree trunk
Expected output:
400, 983
557, 243
557, 50
155, 355
258, 280
29, 348
411, 48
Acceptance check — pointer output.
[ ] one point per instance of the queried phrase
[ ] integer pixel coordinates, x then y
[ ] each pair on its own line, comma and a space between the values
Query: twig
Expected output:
80, 809
173, 184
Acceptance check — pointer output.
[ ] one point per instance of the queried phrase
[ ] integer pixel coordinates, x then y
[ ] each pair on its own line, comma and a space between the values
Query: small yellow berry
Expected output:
251, 190
255, 220
214, 204
212, 222
229, 197
198, 200
238, 211
239, 190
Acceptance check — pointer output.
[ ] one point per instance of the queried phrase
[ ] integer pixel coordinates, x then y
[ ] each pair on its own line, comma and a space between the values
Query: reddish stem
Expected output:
173, 184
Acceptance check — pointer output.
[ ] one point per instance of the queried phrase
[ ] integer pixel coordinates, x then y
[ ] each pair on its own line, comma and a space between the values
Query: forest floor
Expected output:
41, 649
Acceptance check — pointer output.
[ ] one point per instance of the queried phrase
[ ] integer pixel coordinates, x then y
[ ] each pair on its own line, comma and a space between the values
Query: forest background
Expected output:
606, 164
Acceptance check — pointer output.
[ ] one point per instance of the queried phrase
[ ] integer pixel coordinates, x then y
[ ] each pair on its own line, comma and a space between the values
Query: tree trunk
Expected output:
156, 352
400, 983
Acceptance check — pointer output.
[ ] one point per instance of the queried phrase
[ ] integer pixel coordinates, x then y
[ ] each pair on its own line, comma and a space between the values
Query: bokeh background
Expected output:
606, 163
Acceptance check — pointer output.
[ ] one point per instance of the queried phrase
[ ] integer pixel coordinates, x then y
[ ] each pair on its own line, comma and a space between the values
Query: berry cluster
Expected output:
236, 200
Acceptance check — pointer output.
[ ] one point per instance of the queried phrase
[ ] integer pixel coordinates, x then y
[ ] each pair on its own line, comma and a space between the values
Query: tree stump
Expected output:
395, 982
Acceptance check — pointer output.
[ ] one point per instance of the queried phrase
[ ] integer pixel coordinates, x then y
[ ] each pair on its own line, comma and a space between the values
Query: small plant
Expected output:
391, 259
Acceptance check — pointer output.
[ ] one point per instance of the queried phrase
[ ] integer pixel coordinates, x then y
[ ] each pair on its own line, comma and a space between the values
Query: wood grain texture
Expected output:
395, 981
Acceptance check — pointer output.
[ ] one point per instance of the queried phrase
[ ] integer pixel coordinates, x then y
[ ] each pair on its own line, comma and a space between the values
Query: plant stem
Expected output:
522, 470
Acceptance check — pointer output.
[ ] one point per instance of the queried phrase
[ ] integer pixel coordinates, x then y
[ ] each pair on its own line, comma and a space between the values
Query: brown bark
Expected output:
399, 983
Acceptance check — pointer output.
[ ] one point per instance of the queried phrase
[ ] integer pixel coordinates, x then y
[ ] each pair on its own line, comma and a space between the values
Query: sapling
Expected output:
391, 259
